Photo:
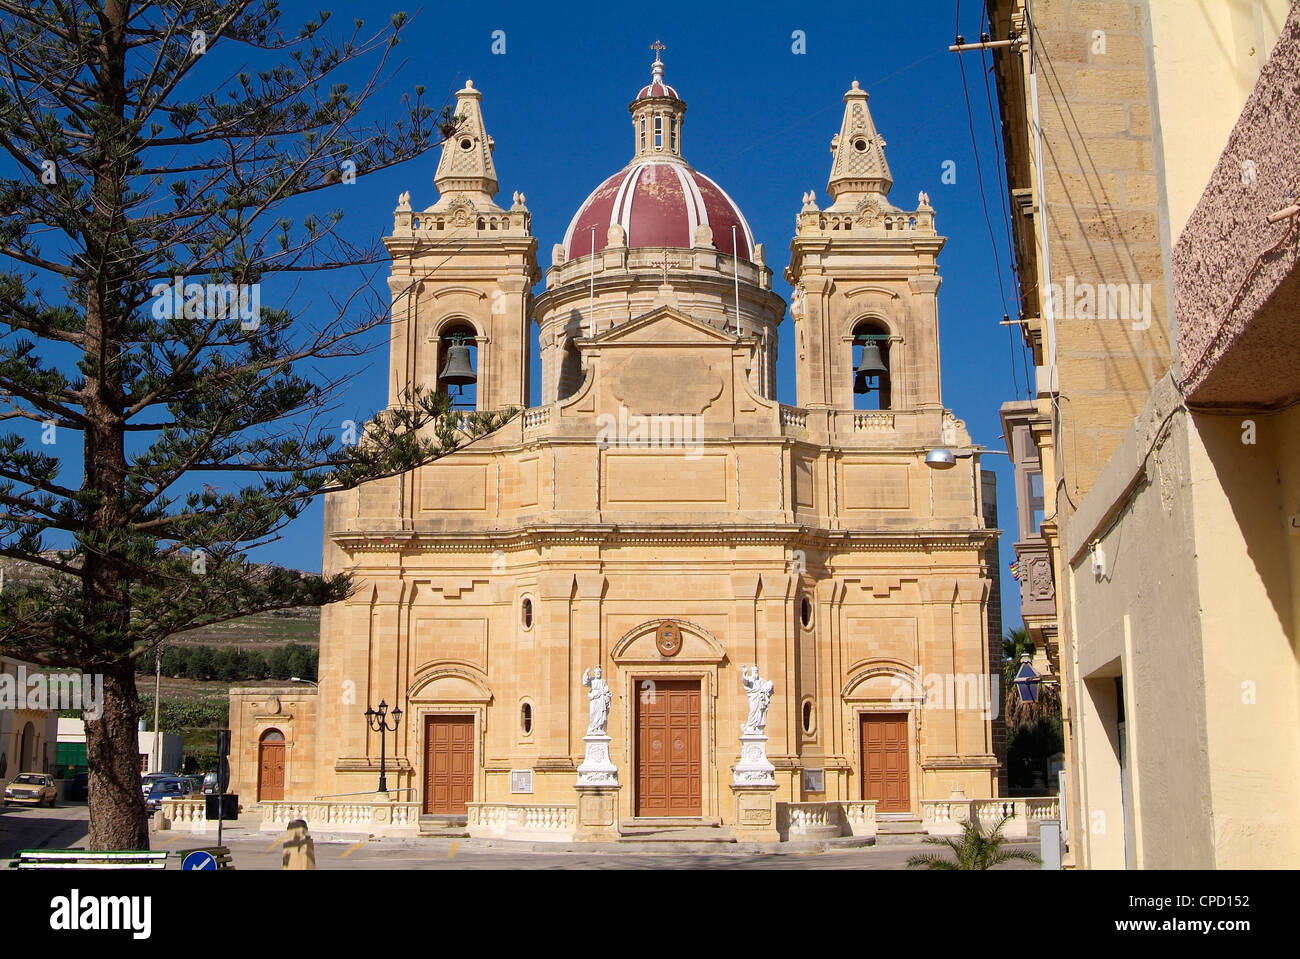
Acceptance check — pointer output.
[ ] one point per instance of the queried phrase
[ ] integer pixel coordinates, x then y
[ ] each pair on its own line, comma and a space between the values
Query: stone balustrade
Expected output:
536, 417
826, 820
363, 816
188, 815
1021, 817
793, 417
873, 422
535, 822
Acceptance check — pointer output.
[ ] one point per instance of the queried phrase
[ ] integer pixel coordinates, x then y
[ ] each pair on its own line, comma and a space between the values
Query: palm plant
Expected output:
972, 849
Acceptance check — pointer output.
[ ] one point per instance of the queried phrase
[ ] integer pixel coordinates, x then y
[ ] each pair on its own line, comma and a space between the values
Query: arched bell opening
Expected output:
458, 364
871, 354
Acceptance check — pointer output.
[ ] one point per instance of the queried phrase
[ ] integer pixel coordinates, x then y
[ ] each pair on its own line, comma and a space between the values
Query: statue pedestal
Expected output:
597, 814
596, 768
755, 813
597, 793
753, 785
754, 769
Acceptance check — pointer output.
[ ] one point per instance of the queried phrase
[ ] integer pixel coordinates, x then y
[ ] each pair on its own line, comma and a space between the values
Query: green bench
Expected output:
88, 859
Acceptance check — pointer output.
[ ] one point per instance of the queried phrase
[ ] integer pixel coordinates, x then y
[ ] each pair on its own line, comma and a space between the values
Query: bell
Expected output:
458, 370
871, 366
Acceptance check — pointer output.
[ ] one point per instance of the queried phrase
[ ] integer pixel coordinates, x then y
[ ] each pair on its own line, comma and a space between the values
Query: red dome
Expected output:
657, 89
658, 204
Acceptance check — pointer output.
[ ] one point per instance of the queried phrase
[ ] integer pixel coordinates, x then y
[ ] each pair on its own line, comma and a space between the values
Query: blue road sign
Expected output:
199, 859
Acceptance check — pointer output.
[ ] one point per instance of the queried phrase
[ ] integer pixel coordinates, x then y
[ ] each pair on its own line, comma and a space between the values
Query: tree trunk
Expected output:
117, 816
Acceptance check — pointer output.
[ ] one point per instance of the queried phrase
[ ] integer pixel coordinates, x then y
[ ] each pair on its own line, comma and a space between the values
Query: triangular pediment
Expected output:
665, 324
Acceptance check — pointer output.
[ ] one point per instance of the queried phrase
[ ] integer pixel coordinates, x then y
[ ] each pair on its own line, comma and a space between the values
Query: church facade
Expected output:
660, 515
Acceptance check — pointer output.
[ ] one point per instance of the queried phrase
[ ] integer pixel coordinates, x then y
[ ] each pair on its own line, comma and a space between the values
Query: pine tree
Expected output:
159, 437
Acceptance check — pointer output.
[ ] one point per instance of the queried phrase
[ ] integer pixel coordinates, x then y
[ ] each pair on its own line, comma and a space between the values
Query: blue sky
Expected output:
759, 121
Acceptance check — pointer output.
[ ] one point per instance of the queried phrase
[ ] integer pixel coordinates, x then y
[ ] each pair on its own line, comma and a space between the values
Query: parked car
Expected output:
173, 787
148, 779
34, 788
79, 788
196, 783
210, 784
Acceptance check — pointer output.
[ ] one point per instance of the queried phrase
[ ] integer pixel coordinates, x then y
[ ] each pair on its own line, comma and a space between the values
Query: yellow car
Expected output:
34, 788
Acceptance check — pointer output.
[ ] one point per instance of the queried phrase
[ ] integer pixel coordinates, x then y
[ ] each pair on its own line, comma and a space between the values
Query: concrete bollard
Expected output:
299, 848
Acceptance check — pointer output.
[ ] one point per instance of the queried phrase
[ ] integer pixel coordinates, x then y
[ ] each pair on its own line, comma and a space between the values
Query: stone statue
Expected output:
759, 691
599, 699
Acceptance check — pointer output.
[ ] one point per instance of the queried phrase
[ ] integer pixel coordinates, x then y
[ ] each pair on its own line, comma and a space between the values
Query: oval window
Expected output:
526, 613
526, 718
805, 612
466, 143
860, 145
808, 716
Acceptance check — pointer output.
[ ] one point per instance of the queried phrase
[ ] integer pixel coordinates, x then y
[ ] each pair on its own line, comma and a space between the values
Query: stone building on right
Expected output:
1152, 165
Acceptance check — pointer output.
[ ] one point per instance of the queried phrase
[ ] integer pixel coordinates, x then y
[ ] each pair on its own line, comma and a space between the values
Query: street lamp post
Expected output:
377, 719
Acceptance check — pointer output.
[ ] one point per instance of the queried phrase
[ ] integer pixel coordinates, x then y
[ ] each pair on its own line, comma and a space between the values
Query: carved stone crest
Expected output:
460, 210
668, 639
867, 212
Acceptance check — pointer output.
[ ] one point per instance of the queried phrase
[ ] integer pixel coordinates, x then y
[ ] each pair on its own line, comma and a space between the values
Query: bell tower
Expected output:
462, 274
865, 283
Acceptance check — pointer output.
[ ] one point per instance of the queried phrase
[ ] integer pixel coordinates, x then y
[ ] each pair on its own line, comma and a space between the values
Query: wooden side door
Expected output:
668, 741
270, 772
885, 761
448, 764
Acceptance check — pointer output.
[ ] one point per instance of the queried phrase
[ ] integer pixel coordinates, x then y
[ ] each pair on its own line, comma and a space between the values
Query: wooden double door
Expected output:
448, 764
270, 766
885, 761
668, 749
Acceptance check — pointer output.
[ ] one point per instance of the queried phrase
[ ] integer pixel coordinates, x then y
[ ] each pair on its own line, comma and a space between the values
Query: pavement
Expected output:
66, 826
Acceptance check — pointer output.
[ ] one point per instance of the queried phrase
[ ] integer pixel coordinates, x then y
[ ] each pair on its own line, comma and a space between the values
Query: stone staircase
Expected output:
448, 827
898, 829
670, 833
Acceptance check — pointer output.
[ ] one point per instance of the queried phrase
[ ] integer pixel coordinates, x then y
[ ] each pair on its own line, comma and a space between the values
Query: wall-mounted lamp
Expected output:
943, 458
1098, 559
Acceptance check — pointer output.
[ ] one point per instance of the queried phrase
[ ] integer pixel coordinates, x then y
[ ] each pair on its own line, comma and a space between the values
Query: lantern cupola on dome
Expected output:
658, 199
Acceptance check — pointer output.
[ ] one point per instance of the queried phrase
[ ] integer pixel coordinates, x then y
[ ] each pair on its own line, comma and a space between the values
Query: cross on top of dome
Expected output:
657, 87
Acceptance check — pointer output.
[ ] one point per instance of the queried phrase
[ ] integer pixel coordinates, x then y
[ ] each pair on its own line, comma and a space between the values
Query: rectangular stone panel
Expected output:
669, 477
803, 483
875, 486
450, 640
528, 482
879, 637
454, 486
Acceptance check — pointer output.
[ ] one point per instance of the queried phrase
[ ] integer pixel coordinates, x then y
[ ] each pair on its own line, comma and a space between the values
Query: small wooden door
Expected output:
885, 761
448, 765
668, 773
270, 772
